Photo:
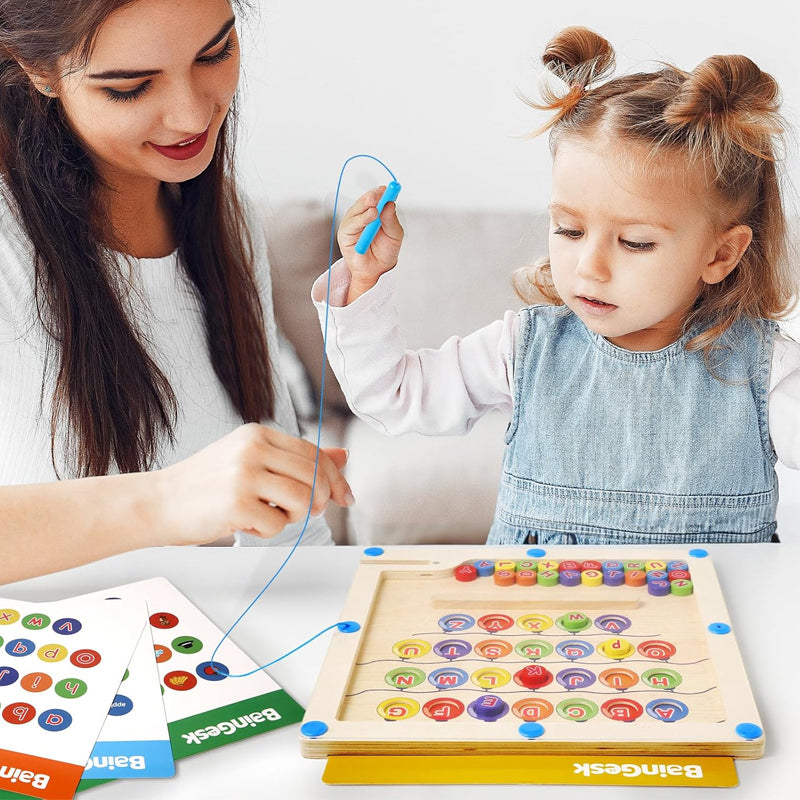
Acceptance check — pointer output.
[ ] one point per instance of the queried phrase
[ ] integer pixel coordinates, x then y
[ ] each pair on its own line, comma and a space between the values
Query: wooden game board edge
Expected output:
318, 748
338, 662
723, 649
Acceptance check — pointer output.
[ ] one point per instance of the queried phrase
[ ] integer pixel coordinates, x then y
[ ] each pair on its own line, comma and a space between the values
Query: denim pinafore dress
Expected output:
612, 446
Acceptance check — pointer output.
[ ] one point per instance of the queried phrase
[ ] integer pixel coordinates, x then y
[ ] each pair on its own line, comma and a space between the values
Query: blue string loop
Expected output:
344, 627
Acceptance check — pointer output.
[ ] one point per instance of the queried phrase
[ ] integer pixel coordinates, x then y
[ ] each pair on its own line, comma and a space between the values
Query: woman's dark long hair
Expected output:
111, 400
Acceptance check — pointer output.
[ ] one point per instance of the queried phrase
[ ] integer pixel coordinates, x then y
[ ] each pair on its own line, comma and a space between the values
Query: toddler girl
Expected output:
648, 387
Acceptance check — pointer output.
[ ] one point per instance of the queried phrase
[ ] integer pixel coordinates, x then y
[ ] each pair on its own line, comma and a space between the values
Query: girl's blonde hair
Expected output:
723, 118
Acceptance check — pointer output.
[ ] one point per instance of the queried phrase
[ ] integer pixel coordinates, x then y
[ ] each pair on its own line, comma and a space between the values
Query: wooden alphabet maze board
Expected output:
515, 651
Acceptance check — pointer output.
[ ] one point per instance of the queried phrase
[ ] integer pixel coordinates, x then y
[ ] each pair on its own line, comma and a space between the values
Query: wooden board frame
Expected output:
409, 571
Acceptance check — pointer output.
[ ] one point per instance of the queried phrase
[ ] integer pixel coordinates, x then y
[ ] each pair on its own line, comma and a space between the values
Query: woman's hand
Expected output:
382, 253
256, 479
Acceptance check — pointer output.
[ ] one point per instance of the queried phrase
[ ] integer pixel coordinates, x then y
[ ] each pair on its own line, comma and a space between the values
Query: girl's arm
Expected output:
255, 479
432, 392
784, 402
366, 268
428, 391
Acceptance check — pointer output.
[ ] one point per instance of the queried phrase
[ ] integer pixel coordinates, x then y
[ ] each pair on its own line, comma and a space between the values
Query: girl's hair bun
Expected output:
729, 96
579, 57
574, 58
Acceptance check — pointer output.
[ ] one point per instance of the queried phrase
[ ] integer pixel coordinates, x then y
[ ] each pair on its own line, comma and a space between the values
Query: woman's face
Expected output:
149, 105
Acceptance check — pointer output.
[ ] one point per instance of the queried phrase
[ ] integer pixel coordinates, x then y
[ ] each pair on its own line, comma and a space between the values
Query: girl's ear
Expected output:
730, 248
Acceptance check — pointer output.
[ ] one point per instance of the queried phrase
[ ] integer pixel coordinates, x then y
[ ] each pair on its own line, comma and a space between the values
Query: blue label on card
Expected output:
130, 760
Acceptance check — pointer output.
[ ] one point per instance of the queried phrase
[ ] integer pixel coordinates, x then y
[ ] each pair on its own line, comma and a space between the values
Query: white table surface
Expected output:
761, 584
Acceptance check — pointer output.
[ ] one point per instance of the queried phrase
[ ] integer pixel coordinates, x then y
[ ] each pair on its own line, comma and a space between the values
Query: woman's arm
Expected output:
255, 479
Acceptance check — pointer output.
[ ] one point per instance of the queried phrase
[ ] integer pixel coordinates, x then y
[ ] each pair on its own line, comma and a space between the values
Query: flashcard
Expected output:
134, 741
60, 668
204, 708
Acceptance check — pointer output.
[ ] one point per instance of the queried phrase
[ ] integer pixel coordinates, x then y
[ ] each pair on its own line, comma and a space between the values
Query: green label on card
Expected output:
227, 724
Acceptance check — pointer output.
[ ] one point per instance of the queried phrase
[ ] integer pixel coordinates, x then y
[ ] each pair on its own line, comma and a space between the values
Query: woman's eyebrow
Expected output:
128, 74
223, 31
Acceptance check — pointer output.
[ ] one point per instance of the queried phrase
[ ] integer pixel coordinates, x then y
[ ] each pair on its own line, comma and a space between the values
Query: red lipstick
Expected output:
186, 149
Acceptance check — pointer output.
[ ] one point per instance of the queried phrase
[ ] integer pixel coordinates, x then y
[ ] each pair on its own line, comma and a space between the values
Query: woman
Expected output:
135, 310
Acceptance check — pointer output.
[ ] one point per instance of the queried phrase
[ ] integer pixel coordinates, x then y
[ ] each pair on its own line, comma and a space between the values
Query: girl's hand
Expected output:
382, 254
255, 479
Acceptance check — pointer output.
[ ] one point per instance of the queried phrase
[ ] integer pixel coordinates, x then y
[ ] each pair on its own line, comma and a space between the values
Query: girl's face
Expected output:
630, 251
149, 104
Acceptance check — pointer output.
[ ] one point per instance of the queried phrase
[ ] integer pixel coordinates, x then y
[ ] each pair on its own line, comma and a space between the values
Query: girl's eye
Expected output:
223, 55
638, 246
126, 97
570, 234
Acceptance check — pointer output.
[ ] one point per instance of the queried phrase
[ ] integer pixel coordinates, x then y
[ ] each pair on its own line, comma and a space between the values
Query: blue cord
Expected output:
220, 671
316, 460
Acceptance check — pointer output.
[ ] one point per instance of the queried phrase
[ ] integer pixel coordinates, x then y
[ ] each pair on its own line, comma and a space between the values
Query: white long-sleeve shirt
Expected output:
446, 390
166, 307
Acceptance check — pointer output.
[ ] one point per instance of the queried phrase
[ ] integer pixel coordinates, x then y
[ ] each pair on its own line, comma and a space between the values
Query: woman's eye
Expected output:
638, 246
223, 55
126, 97
570, 234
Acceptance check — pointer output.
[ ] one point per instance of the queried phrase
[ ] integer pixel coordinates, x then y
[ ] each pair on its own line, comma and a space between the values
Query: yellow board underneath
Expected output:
717, 771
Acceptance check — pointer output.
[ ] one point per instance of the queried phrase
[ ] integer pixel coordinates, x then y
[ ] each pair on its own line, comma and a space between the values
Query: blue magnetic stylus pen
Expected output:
368, 234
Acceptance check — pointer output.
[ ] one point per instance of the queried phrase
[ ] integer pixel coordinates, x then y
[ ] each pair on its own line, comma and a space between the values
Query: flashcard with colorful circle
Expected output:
212, 671
187, 645
198, 677
162, 620
136, 724
60, 666
180, 681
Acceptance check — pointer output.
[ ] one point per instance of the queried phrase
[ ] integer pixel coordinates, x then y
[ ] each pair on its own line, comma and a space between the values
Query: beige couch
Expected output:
453, 277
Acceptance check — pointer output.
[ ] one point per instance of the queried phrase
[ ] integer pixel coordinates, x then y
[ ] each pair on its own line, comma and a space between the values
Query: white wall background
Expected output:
430, 87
